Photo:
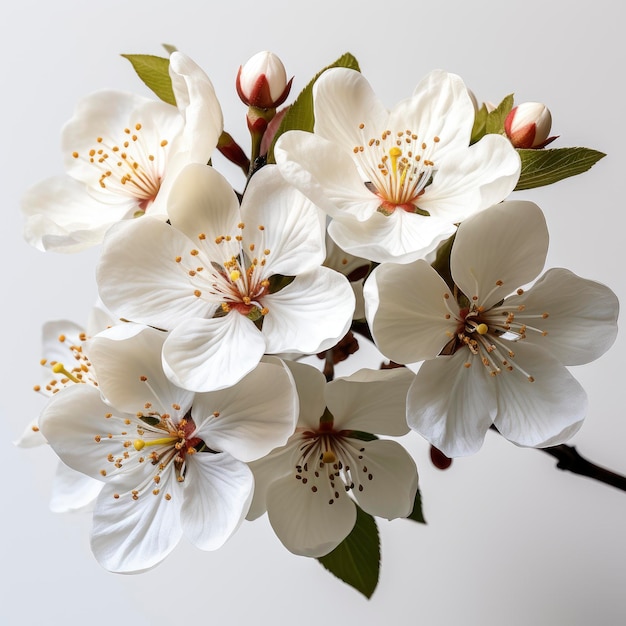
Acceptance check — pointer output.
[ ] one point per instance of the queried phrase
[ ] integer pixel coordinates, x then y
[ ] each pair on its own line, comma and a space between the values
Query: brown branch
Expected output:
569, 460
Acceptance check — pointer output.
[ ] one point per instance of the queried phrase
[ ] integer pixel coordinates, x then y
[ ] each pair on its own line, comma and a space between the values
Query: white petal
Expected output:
582, 321
131, 536
440, 107
255, 416
452, 406
209, 354
545, 412
400, 237
218, 491
71, 422
293, 228
342, 100
325, 174
373, 401
304, 521
310, 314
73, 491
405, 306
390, 493
31, 437
197, 102
124, 357
505, 244
62, 216
472, 179
310, 383
202, 201
139, 278
266, 471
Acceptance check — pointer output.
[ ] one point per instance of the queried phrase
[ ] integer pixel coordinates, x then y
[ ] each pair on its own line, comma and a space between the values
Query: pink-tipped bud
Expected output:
262, 81
528, 125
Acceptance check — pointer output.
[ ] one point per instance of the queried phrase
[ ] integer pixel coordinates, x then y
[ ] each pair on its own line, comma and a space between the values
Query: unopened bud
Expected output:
528, 125
262, 81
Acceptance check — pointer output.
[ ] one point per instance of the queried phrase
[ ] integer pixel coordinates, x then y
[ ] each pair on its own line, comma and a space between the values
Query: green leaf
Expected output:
441, 264
154, 72
300, 114
361, 435
544, 167
495, 119
356, 560
480, 124
417, 514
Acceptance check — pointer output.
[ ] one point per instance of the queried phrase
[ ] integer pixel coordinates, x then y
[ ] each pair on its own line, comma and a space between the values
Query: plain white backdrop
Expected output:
510, 539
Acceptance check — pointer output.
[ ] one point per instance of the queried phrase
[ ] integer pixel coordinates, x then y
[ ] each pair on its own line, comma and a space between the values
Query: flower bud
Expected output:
528, 125
262, 81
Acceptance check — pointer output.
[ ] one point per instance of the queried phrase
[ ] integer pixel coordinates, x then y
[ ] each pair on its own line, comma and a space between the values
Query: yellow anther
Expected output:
482, 329
328, 457
59, 368
235, 275
394, 153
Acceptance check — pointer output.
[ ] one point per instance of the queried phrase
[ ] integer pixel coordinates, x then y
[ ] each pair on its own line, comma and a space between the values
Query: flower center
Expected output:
489, 333
330, 462
396, 166
131, 167
236, 283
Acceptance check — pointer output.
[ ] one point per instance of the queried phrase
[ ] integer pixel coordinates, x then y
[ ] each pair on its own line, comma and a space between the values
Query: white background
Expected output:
510, 540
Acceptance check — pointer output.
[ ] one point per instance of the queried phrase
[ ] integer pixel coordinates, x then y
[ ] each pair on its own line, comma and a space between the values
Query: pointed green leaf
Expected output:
480, 124
495, 119
544, 167
300, 113
356, 560
154, 72
417, 514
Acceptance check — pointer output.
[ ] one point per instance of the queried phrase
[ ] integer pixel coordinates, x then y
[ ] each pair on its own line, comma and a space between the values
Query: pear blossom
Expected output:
229, 283
395, 182
494, 353
310, 485
121, 153
173, 462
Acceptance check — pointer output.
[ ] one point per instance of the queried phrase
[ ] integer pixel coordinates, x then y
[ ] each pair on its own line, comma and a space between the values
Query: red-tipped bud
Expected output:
528, 125
262, 81
439, 459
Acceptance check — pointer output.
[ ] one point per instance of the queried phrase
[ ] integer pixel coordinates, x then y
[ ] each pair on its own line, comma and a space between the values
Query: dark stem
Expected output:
569, 460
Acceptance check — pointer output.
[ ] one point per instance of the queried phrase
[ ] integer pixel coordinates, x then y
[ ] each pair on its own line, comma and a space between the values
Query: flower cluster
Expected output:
192, 402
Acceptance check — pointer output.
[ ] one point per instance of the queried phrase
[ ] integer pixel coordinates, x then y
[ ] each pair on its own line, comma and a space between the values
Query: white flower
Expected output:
121, 153
395, 183
66, 363
213, 278
173, 462
308, 486
494, 358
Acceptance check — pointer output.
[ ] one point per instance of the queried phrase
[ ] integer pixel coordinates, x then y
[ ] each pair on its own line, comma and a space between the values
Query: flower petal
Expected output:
581, 324
133, 534
452, 406
266, 471
256, 415
310, 314
373, 401
408, 308
390, 493
127, 361
73, 491
498, 250
306, 522
326, 175
218, 491
310, 384
293, 228
342, 100
139, 278
210, 354
545, 412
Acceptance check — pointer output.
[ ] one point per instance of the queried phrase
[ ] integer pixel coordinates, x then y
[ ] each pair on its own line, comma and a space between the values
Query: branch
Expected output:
570, 460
